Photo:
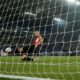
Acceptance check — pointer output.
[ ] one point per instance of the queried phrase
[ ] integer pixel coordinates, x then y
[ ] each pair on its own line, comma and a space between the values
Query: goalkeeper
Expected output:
28, 50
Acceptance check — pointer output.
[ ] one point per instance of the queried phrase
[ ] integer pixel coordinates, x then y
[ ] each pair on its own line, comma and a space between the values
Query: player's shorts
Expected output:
28, 49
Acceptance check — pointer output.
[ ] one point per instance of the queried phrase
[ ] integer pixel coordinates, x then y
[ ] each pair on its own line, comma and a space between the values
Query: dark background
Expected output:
57, 20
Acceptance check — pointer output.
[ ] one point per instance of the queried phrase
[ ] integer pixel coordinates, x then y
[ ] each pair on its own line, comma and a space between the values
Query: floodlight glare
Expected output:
29, 13
77, 3
71, 1
57, 19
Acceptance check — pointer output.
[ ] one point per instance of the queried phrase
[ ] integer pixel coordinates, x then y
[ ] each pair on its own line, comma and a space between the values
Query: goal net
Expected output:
58, 21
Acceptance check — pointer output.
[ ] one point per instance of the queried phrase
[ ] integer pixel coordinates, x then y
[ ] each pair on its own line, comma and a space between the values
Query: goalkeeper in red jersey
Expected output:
28, 50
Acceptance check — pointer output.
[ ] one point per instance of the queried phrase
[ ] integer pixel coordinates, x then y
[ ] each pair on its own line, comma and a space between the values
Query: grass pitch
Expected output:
61, 67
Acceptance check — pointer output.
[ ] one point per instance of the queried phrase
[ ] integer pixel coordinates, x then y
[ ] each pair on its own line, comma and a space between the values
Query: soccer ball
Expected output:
8, 49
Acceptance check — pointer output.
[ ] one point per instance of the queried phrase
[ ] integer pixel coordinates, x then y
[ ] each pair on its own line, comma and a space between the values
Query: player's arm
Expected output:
41, 40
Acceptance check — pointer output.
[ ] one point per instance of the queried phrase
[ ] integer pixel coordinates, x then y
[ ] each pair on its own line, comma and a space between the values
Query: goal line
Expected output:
22, 77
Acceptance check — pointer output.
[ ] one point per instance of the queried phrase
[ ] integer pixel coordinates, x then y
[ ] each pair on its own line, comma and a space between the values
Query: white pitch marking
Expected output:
22, 77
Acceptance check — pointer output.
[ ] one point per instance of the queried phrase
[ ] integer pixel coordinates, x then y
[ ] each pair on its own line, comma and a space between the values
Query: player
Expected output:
28, 50
36, 42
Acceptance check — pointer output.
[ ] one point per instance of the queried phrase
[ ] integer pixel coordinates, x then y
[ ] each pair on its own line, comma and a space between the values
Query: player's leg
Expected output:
27, 52
31, 51
26, 58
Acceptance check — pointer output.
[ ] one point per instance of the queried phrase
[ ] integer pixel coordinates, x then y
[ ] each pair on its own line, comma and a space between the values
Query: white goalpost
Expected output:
58, 22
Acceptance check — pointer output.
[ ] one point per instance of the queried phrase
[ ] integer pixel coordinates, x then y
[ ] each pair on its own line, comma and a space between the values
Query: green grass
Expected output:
63, 67
6, 79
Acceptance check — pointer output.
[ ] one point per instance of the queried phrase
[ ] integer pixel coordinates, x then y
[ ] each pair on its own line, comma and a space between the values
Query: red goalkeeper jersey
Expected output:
37, 40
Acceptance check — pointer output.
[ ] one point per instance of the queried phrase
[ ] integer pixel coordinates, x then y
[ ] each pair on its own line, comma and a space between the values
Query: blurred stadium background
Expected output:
57, 20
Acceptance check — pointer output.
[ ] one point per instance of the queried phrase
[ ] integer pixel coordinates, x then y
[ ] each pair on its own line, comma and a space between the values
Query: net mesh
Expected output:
58, 21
